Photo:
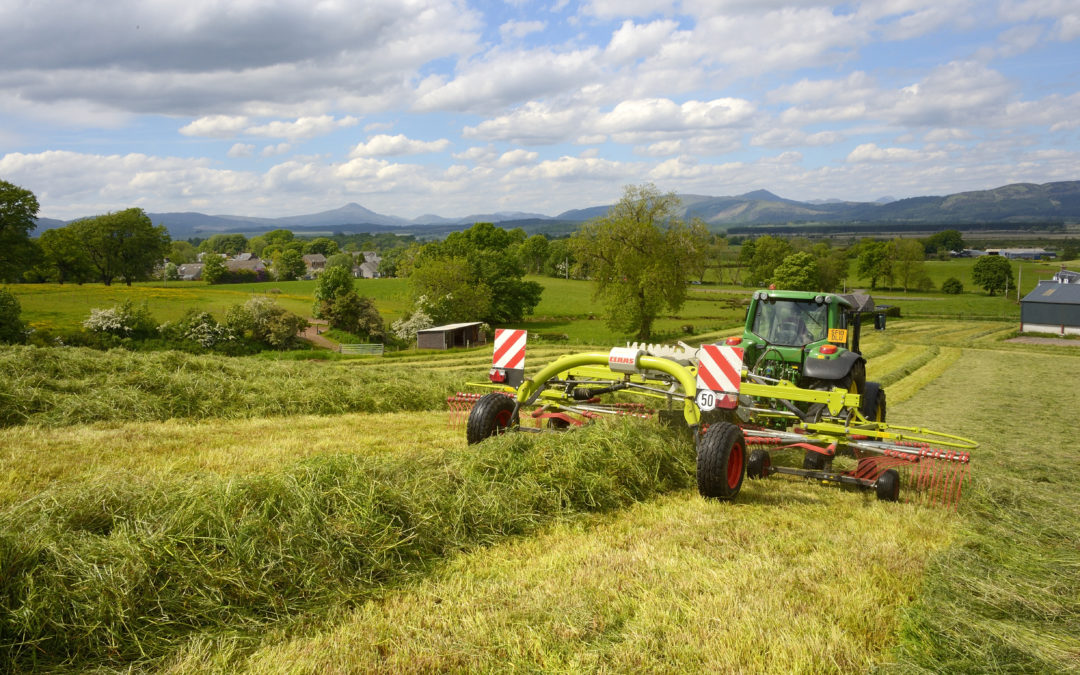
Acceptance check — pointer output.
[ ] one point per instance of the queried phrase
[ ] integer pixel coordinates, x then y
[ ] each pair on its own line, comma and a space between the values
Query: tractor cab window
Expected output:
791, 323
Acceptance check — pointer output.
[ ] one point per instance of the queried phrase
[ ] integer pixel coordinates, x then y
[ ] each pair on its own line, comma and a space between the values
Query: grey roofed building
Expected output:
451, 335
189, 271
367, 270
315, 262
1067, 277
1051, 307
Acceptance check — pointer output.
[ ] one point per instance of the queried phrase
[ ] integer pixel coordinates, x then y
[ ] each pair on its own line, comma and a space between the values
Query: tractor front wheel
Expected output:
721, 461
492, 414
873, 402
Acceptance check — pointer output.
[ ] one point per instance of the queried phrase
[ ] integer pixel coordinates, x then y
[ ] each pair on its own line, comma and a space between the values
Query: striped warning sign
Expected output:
509, 348
719, 372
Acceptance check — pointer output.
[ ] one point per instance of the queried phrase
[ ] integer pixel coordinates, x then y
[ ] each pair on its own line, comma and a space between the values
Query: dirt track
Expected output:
311, 334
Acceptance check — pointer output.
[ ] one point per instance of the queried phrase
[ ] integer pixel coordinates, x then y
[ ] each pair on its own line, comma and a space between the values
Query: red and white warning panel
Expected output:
508, 361
718, 377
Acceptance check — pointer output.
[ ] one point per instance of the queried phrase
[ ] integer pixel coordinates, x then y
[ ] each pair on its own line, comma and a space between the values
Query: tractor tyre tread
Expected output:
721, 461
491, 415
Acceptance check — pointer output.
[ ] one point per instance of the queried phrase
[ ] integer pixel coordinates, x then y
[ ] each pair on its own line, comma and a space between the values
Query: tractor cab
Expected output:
809, 339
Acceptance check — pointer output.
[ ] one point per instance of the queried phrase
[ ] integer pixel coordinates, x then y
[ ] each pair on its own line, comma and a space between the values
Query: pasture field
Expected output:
566, 313
365, 535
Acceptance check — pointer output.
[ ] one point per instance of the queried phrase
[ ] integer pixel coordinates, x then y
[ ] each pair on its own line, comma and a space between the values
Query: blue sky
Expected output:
408, 107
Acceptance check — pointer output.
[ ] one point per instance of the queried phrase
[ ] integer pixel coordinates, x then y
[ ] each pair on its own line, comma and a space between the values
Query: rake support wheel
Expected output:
758, 464
888, 486
721, 461
492, 414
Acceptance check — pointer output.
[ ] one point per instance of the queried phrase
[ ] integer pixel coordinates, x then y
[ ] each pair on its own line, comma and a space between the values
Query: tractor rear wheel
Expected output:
888, 486
721, 461
758, 464
873, 402
492, 414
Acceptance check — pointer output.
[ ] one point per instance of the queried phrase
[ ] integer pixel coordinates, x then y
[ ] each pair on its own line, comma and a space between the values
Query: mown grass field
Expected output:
139, 528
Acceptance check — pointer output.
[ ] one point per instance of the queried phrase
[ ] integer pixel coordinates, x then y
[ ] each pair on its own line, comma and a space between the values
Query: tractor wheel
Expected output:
758, 464
492, 414
815, 461
873, 402
721, 461
816, 411
888, 486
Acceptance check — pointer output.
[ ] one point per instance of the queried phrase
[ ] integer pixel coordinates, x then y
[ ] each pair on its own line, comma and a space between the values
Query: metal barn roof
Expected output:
1053, 293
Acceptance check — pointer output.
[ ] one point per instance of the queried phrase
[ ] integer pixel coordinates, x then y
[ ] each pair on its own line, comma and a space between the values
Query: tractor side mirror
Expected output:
879, 321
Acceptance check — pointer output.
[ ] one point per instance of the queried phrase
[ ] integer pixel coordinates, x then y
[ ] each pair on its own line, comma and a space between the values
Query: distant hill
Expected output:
1016, 203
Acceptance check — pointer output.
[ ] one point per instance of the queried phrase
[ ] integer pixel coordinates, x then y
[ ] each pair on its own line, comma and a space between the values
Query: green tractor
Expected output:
811, 340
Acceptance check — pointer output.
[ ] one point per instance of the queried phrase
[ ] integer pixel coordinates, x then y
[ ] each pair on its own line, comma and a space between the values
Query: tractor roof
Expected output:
858, 302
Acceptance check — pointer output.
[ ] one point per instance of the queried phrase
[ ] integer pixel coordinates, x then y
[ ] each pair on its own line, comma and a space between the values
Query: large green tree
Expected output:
798, 272
640, 255
474, 275
225, 244
333, 282
214, 270
124, 244
18, 217
289, 265
908, 267
874, 262
993, 273
768, 253
64, 257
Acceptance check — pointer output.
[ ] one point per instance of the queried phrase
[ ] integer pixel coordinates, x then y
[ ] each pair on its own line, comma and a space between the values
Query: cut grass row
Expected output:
59, 387
114, 571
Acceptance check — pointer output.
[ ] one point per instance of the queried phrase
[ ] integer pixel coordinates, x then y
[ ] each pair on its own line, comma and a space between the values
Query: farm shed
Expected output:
451, 335
1051, 308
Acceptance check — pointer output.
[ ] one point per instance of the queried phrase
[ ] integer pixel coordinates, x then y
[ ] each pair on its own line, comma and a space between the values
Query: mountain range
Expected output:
1017, 203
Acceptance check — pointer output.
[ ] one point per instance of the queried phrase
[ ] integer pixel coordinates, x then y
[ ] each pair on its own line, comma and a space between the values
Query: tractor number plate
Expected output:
838, 335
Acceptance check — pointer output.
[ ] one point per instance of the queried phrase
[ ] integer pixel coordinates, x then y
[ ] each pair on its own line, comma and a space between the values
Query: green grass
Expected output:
64, 386
238, 538
117, 570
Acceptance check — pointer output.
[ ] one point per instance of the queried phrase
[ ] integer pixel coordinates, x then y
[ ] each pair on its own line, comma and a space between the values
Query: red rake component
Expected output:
933, 476
461, 404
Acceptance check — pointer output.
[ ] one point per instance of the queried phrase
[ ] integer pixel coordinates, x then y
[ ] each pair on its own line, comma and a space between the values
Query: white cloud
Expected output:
532, 123
275, 150
204, 58
216, 126
666, 115
516, 157
634, 41
385, 146
777, 137
241, 150
519, 29
504, 78
1064, 13
301, 128
870, 152
574, 168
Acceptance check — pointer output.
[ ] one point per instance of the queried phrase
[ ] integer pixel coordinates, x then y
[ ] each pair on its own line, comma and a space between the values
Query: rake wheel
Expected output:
492, 414
721, 461
758, 464
888, 486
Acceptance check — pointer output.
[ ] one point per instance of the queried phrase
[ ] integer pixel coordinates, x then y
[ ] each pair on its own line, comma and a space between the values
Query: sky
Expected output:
410, 107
